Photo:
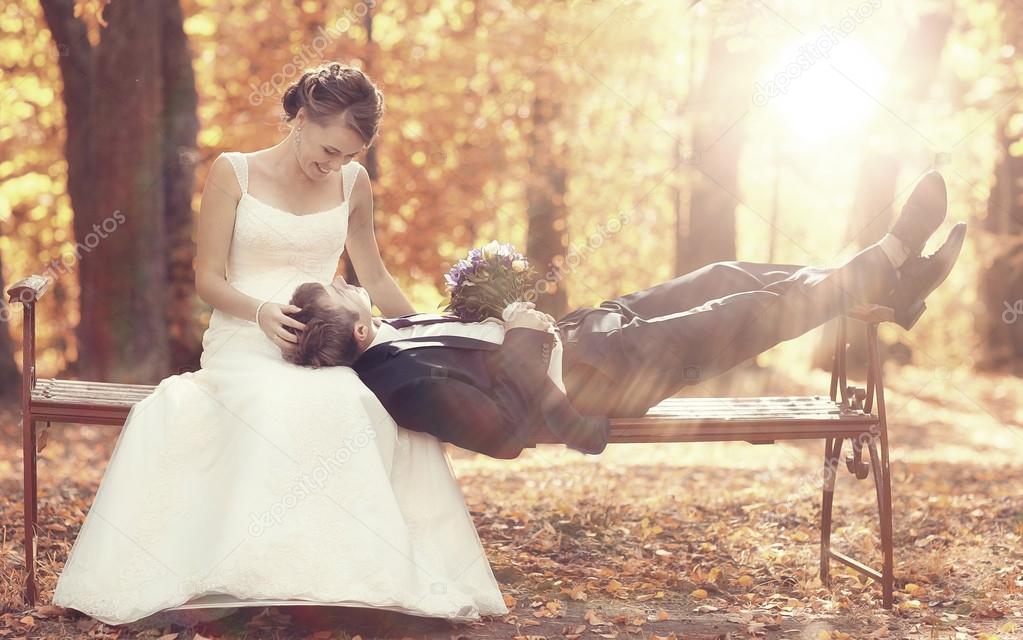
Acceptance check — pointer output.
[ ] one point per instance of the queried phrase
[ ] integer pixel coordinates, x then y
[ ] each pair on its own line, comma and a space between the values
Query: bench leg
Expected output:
879, 462
31, 509
832, 451
876, 443
883, 487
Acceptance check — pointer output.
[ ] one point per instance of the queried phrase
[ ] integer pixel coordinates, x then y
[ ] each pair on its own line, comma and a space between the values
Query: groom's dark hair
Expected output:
327, 340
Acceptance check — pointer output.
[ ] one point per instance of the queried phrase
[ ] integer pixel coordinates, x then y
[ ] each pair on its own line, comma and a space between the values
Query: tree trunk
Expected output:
130, 103
1001, 277
546, 185
10, 379
181, 128
718, 132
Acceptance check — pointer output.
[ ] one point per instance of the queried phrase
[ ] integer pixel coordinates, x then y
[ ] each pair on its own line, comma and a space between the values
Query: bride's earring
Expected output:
298, 137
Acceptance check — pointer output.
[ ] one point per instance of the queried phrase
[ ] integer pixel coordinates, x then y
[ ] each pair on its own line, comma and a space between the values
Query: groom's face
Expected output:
348, 296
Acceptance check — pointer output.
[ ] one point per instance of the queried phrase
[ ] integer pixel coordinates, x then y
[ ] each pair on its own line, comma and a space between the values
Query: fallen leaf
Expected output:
914, 589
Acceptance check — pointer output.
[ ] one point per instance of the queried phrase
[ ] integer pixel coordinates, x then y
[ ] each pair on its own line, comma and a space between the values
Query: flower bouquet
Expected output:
487, 280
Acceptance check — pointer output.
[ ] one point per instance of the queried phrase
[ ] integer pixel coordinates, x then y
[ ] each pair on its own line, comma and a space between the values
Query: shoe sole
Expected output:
906, 319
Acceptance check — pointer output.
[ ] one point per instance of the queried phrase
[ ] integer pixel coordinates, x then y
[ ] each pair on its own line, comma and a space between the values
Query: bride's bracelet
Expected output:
258, 309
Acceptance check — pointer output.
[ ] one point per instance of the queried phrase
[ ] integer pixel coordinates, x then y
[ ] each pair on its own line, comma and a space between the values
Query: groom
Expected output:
486, 386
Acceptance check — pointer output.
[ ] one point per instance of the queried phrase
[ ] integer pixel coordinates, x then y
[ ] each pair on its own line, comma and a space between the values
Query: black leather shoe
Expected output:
923, 213
919, 276
590, 435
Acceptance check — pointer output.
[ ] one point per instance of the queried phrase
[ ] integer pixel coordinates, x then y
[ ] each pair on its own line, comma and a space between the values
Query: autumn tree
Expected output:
546, 236
1001, 279
1001, 272
131, 126
720, 105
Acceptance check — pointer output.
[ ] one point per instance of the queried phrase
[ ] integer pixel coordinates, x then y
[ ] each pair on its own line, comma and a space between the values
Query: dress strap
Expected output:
350, 173
241, 168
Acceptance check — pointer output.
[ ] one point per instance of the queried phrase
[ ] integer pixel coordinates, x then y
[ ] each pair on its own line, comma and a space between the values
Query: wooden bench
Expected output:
848, 413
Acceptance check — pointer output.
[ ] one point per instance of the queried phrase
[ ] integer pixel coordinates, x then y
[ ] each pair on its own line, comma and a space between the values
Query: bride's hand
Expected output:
272, 320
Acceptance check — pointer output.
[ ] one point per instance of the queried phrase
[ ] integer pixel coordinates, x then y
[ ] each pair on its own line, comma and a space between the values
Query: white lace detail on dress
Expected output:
351, 173
241, 169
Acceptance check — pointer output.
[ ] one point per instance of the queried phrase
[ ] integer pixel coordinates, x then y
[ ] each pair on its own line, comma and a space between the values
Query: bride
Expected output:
255, 482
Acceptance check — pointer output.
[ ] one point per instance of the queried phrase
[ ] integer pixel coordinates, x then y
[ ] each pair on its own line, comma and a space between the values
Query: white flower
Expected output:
490, 249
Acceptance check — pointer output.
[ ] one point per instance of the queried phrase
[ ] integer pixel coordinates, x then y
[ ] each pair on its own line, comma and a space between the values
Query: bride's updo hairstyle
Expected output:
333, 90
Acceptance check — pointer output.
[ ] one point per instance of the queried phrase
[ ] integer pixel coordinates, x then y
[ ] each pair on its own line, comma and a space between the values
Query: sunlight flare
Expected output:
819, 95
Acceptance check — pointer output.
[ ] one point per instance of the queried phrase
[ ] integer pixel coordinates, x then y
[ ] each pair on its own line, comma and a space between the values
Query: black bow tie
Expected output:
418, 319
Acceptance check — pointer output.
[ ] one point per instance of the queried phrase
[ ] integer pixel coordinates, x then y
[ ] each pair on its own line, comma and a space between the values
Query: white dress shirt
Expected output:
489, 330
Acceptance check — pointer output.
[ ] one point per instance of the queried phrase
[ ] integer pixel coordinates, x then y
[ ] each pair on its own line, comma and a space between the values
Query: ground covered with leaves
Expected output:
657, 541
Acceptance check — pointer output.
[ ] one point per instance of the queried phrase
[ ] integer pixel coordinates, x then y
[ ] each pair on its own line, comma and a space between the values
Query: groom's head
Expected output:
338, 319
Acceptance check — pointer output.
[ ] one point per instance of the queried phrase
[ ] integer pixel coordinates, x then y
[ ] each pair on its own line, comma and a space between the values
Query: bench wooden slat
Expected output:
799, 405
50, 392
747, 399
737, 419
98, 400
45, 395
747, 432
51, 383
85, 401
697, 413
780, 401
89, 383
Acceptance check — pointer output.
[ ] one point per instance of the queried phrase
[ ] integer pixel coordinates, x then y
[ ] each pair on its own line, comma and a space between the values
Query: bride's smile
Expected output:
323, 149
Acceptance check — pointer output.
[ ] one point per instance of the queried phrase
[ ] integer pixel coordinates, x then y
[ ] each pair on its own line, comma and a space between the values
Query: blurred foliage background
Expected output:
618, 142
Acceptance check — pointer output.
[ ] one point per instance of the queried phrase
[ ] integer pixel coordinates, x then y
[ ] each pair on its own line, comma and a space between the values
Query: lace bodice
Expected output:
273, 251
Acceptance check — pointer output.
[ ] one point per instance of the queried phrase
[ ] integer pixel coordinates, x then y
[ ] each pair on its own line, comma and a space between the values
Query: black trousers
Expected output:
628, 354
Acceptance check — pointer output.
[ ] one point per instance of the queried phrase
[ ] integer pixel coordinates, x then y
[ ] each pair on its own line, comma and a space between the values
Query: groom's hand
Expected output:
527, 317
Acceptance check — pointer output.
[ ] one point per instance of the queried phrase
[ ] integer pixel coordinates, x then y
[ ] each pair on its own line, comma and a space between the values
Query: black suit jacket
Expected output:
478, 395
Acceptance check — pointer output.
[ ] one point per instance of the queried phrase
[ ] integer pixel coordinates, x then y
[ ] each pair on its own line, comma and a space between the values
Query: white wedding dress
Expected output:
255, 482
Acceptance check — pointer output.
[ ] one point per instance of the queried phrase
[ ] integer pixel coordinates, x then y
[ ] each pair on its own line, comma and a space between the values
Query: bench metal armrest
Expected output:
28, 290
871, 313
